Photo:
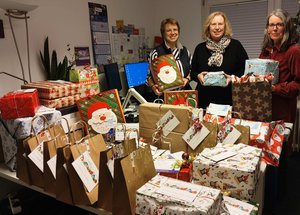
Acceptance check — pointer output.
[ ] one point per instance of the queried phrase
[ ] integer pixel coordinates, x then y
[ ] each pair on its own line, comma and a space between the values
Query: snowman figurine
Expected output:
101, 117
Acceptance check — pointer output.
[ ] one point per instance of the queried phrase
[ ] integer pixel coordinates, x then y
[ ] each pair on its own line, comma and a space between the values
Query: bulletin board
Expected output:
100, 34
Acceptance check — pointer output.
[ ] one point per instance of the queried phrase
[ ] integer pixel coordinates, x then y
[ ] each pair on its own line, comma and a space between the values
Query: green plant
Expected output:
54, 70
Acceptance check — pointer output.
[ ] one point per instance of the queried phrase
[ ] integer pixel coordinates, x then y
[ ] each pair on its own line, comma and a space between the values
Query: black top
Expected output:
234, 59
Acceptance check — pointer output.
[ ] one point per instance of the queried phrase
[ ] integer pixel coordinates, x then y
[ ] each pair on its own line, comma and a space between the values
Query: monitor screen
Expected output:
136, 73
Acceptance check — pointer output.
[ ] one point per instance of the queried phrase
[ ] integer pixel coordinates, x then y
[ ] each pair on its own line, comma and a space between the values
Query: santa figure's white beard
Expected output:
167, 78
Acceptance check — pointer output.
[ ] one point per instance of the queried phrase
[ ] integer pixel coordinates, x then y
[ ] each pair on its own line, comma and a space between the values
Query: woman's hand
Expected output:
185, 81
228, 79
201, 77
155, 90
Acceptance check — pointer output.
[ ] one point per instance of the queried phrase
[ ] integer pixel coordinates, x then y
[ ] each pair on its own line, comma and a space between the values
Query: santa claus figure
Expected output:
166, 73
101, 117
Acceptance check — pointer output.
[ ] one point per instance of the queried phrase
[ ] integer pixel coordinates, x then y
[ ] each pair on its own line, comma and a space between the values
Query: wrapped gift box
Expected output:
84, 74
231, 206
54, 89
184, 174
166, 73
237, 174
181, 97
60, 102
20, 128
163, 195
215, 79
263, 67
89, 88
151, 113
21, 103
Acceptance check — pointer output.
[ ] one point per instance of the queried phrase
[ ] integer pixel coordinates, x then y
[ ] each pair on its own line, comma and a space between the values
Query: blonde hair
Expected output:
227, 25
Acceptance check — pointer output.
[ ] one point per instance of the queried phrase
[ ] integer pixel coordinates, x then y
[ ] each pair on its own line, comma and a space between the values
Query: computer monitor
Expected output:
136, 73
112, 76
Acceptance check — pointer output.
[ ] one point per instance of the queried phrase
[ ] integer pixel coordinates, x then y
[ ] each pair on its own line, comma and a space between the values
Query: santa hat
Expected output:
96, 106
162, 64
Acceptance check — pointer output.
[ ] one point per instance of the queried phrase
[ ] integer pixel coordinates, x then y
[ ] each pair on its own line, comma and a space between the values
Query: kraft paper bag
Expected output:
94, 145
63, 188
31, 143
105, 194
130, 173
22, 164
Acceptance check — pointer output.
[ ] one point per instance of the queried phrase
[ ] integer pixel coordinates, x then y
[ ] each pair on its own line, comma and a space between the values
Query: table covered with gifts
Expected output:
177, 159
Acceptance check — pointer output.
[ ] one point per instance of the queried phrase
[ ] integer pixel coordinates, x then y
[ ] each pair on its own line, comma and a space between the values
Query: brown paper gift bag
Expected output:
93, 144
63, 188
105, 194
22, 164
31, 143
151, 113
130, 173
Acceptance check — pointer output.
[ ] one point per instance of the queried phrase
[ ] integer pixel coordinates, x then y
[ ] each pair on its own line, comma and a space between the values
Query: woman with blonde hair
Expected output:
218, 52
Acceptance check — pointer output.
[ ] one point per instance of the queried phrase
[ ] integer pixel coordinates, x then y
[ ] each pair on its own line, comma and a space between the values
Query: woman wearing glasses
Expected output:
279, 44
218, 52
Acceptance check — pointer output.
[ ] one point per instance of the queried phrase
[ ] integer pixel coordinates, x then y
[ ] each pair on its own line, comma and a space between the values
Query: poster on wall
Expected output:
100, 33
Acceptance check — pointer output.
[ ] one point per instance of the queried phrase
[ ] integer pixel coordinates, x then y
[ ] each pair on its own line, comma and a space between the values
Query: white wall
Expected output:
63, 21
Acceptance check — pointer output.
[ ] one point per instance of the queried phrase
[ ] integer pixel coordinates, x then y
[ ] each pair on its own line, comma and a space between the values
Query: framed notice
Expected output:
100, 34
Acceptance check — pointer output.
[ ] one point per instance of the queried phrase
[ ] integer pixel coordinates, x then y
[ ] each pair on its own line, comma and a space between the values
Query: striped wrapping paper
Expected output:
54, 89
60, 102
110, 97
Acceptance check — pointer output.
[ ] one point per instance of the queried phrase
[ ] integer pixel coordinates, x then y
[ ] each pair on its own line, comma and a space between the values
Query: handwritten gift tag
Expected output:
86, 170
193, 137
232, 136
37, 156
168, 123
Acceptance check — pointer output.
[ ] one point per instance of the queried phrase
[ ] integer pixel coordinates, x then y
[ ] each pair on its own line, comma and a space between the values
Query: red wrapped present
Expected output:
185, 174
21, 103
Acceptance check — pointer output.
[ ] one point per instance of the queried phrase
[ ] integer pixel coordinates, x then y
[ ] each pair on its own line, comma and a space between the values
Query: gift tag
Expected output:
86, 170
254, 126
52, 165
220, 110
168, 123
232, 136
37, 156
110, 164
194, 138
236, 207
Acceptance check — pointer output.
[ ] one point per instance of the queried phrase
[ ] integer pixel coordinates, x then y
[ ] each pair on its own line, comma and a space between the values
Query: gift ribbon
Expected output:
250, 77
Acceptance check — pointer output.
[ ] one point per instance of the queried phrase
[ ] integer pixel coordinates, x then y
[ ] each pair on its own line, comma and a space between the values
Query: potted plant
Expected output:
53, 69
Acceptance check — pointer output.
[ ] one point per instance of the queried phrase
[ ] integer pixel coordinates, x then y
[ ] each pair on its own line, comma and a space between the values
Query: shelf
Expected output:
11, 176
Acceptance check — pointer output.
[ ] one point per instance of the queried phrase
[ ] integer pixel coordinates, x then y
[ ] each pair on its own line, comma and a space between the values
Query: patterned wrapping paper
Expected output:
215, 79
21, 103
237, 174
9, 147
60, 102
181, 97
270, 139
263, 67
54, 89
89, 88
253, 100
149, 202
238, 207
85, 74
110, 98
166, 73
20, 128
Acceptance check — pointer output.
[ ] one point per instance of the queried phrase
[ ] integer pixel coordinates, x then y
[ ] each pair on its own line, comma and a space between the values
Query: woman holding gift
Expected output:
279, 44
218, 52
170, 31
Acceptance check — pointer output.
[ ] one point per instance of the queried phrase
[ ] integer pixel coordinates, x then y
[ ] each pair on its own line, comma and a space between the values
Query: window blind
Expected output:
248, 20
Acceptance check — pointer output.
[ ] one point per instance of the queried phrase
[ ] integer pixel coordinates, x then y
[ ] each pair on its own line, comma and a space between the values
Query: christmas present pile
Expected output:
164, 195
56, 94
232, 169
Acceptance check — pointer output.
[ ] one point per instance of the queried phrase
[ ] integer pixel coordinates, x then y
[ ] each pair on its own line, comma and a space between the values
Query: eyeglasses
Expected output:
277, 25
